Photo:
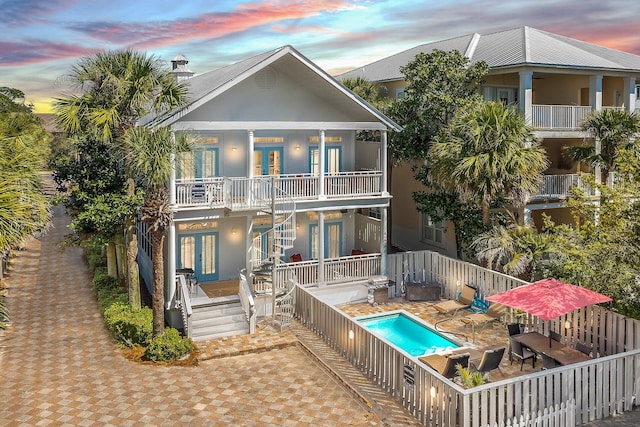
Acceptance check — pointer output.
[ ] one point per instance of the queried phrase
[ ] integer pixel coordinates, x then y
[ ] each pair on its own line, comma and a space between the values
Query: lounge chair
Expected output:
495, 312
490, 360
519, 352
464, 301
446, 365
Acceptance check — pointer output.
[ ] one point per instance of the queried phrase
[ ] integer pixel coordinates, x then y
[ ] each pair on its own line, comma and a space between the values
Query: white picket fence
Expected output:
556, 416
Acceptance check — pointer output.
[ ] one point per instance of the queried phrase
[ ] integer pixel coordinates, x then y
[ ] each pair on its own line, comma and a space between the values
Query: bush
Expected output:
168, 346
102, 280
129, 327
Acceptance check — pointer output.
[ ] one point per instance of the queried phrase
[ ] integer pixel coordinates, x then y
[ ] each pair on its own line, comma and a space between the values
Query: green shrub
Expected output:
102, 280
129, 326
96, 260
168, 346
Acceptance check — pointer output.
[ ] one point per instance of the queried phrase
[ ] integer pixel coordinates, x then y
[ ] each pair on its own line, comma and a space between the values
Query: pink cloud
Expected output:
20, 12
34, 51
211, 25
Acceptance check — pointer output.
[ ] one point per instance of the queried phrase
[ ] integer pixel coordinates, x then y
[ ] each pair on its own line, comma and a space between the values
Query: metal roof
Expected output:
202, 88
513, 47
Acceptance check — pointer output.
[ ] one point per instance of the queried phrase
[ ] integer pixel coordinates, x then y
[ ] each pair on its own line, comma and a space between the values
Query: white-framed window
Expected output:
432, 232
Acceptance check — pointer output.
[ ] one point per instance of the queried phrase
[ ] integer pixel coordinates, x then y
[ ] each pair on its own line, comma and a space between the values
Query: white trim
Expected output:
261, 125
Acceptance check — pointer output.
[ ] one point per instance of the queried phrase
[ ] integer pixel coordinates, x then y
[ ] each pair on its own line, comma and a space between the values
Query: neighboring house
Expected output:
555, 82
276, 188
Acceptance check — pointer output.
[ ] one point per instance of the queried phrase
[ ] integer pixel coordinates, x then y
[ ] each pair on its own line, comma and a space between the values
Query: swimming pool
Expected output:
411, 335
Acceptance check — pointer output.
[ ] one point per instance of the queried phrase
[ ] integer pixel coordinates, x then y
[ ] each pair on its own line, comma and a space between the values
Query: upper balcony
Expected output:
241, 193
558, 117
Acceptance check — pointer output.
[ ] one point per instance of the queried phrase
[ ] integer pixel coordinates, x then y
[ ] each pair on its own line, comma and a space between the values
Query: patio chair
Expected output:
490, 360
450, 369
296, 257
548, 362
555, 336
519, 352
584, 348
495, 312
516, 328
464, 301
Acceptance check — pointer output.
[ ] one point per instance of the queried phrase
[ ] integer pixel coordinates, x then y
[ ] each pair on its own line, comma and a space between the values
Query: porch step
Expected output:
218, 320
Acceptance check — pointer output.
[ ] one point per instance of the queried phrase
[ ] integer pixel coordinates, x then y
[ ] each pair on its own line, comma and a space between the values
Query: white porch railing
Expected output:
559, 186
248, 305
560, 117
238, 193
184, 298
355, 267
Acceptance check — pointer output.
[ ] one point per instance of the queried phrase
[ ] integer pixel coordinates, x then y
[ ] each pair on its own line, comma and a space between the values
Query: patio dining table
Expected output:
562, 353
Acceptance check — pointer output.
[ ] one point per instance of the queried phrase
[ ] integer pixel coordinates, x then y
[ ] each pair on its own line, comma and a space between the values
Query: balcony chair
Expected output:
490, 360
296, 258
519, 352
464, 301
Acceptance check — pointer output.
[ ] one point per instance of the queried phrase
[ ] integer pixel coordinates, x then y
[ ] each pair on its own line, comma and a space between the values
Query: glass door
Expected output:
267, 161
332, 240
202, 162
199, 252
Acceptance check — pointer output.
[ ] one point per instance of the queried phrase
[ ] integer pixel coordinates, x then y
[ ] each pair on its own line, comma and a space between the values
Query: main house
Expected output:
555, 81
275, 188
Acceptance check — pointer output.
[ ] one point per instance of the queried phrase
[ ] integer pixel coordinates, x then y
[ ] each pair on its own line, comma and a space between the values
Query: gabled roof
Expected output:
509, 48
205, 87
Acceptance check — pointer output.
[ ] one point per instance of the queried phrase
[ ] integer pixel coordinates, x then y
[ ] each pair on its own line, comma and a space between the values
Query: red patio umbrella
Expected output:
549, 298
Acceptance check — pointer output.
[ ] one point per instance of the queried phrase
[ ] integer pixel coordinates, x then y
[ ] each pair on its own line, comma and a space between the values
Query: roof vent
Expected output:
266, 78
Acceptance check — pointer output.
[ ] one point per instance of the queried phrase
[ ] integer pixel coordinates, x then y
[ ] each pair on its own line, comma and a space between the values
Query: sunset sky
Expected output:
41, 39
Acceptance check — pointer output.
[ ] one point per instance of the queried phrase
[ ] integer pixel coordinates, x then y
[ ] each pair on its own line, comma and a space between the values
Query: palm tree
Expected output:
614, 129
488, 153
115, 90
150, 153
515, 249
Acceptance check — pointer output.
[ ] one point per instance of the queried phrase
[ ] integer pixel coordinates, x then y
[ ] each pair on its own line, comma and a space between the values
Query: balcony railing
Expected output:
559, 117
254, 193
559, 186
336, 270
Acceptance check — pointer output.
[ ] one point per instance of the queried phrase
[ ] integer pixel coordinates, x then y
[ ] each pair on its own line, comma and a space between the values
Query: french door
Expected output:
199, 251
267, 161
202, 162
332, 240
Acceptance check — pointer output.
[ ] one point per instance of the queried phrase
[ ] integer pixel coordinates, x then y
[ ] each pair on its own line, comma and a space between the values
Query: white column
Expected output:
383, 162
630, 93
598, 171
595, 92
527, 216
320, 250
525, 94
321, 161
248, 245
171, 254
171, 237
250, 155
172, 179
383, 240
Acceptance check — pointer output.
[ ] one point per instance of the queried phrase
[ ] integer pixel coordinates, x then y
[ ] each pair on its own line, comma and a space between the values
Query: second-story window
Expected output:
332, 160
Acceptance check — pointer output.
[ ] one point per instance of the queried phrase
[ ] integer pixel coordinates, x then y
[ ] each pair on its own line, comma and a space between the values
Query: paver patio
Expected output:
59, 365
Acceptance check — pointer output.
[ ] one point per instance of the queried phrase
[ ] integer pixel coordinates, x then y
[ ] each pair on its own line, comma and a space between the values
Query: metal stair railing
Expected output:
285, 304
184, 301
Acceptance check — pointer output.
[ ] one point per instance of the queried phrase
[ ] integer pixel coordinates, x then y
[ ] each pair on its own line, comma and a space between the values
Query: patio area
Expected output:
494, 334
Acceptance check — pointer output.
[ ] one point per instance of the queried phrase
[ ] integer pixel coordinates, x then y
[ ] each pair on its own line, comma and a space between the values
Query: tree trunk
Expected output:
157, 298
121, 258
485, 213
112, 265
133, 275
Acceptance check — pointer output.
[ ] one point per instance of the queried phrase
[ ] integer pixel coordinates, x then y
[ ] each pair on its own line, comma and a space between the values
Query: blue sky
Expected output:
41, 39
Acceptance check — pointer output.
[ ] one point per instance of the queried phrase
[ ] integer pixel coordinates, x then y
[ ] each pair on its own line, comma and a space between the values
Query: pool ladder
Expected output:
449, 332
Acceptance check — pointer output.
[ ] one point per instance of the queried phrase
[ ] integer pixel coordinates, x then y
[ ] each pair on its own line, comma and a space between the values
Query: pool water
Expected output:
415, 338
